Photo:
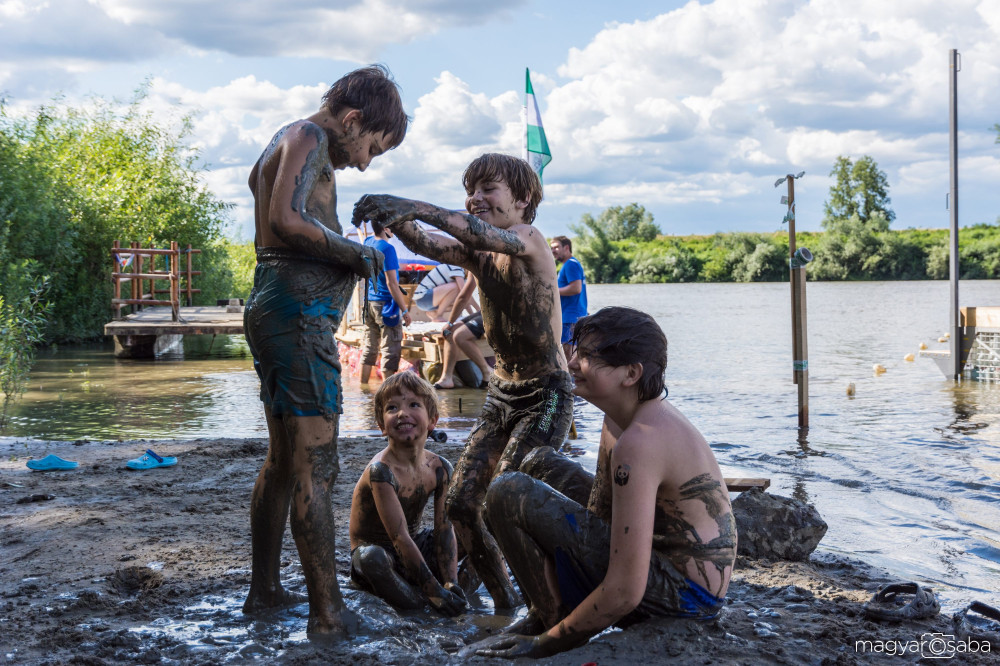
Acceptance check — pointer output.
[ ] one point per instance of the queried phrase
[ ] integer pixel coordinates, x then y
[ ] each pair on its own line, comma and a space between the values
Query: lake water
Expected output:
906, 472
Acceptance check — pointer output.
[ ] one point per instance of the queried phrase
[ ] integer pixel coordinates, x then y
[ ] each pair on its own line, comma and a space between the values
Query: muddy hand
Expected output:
509, 647
447, 602
455, 588
382, 210
371, 262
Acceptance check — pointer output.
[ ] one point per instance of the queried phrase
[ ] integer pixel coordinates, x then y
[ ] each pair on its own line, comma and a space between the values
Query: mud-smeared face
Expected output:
405, 418
492, 202
355, 148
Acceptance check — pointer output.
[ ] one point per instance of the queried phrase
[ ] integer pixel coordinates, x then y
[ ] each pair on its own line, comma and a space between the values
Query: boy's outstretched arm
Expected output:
473, 233
304, 163
390, 511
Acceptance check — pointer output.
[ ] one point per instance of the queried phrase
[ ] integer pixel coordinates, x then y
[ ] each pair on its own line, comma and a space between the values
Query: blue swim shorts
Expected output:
290, 319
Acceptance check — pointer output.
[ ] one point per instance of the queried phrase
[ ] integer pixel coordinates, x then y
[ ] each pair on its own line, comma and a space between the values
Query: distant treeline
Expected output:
850, 252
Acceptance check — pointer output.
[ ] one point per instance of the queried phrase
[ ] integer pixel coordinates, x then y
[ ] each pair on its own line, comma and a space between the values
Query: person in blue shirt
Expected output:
383, 288
572, 289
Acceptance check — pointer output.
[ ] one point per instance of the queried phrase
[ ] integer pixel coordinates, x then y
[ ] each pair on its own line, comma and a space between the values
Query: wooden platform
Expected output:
150, 331
196, 320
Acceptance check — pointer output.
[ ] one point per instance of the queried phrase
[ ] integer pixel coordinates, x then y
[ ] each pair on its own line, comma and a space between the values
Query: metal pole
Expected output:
956, 323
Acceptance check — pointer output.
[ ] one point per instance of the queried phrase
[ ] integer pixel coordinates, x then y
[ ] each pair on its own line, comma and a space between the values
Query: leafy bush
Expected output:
22, 324
72, 180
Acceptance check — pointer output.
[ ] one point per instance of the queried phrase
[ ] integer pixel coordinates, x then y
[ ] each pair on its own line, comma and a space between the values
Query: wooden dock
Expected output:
151, 330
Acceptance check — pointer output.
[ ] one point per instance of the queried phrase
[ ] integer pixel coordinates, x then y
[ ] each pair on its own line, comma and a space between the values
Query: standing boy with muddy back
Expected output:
306, 272
529, 399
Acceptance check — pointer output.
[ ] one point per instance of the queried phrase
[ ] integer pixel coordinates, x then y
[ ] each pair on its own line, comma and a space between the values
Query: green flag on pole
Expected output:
536, 148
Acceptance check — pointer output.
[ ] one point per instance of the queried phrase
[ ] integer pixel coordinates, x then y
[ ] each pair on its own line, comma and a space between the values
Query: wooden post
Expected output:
797, 278
175, 297
136, 268
115, 280
188, 302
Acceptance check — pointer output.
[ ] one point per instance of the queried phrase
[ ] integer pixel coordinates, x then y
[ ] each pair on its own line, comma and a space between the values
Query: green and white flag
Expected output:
536, 148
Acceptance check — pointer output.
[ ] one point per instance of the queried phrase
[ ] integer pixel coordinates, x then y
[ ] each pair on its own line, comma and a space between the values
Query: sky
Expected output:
691, 109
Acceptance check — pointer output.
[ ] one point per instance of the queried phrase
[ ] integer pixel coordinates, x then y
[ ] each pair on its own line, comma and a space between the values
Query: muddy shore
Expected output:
126, 567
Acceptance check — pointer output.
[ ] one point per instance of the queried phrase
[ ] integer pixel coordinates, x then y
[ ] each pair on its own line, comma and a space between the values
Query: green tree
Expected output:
675, 264
861, 190
627, 223
747, 257
72, 180
602, 259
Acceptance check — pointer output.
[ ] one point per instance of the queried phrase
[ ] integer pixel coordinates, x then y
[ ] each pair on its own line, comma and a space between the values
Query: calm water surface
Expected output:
906, 472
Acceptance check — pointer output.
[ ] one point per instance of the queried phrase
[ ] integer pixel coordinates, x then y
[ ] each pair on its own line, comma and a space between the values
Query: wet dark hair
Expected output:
395, 385
621, 336
564, 241
372, 91
522, 180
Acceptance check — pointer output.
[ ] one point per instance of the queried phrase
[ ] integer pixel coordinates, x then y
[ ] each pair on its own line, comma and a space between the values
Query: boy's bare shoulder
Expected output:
660, 425
436, 461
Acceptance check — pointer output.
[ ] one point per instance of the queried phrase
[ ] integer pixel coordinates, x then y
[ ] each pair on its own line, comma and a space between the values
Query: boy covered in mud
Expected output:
390, 555
657, 537
306, 272
529, 400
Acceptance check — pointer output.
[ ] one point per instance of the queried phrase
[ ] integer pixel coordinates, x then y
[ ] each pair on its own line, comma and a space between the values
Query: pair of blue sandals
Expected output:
148, 460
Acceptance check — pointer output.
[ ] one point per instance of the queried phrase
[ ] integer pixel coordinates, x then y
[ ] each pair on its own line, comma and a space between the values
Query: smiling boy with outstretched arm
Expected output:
529, 400
390, 555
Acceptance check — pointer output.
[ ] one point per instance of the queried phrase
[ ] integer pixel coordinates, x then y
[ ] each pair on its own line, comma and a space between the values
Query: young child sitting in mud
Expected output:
658, 536
390, 555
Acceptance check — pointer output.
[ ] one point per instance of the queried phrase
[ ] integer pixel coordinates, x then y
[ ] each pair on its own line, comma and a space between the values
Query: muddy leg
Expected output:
374, 564
464, 506
511, 507
269, 504
314, 469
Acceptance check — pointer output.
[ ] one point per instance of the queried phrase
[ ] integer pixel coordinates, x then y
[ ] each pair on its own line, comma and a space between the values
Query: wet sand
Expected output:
152, 567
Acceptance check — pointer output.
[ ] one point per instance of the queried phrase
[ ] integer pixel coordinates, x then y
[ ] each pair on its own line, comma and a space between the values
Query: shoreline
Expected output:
126, 566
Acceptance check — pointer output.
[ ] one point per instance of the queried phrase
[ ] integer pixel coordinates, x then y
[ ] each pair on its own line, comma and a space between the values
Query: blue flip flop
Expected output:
150, 460
51, 463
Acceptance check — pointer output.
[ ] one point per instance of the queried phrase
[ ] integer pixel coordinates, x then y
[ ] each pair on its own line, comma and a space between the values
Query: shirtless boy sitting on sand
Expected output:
657, 538
529, 400
390, 555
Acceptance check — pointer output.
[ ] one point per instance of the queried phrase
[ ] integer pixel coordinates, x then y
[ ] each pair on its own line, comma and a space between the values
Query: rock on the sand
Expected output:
771, 527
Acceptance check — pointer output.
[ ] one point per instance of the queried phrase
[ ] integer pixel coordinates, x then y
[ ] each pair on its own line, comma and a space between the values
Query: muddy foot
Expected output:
281, 598
529, 625
332, 627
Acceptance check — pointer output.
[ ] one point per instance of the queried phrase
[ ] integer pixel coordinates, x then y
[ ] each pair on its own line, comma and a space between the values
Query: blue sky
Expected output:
690, 109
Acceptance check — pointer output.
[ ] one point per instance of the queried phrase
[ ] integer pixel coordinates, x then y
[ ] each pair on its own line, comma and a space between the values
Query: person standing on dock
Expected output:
306, 272
383, 290
529, 400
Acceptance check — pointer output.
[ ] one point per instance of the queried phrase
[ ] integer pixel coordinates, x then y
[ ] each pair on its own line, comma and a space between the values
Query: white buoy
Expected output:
942, 339
946, 335
909, 357
850, 389
878, 368
923, 345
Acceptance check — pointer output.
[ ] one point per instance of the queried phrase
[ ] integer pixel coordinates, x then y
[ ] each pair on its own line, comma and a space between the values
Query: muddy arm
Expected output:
472, 232
304, 165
